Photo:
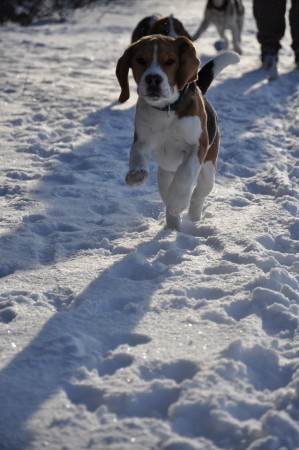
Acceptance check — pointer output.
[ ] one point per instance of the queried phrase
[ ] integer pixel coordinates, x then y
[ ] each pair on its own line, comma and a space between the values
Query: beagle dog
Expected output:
157, 24
174, 123
225, 15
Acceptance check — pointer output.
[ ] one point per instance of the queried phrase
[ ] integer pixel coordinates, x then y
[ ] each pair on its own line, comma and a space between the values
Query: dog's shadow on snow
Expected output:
88, 209
95, 333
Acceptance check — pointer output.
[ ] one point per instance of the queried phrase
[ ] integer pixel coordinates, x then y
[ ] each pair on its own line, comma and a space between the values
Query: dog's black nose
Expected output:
153, 80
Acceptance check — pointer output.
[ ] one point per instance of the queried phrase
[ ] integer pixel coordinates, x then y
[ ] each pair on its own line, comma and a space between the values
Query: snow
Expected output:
118, 334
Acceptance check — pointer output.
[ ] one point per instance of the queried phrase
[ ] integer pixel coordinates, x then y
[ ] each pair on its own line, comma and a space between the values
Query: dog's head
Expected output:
161, 67
169, 26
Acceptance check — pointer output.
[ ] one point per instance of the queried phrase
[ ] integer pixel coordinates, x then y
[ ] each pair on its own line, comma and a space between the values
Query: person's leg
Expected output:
270, 20
294, 24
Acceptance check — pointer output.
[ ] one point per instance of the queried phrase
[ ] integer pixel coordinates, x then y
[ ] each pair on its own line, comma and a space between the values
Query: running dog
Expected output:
174, 123
225, 15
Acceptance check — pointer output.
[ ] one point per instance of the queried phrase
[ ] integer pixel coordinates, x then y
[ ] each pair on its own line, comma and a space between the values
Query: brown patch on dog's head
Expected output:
176, 57
136, 57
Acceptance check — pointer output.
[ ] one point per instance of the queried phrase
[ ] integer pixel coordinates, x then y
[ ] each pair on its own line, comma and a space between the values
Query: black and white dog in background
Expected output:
224, 15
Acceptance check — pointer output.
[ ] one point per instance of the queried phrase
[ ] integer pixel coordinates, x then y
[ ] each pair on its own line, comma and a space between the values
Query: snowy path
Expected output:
116, 334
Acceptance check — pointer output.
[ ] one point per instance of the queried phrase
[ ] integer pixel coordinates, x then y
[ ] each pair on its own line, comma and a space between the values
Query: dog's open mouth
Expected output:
154, 95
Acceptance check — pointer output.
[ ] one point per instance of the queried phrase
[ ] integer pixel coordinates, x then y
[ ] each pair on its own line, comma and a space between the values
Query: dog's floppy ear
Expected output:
122, 73
189, 63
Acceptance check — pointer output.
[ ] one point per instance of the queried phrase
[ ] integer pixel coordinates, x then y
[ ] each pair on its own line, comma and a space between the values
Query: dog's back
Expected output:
142, 28
228, 7
157, 24
169, 26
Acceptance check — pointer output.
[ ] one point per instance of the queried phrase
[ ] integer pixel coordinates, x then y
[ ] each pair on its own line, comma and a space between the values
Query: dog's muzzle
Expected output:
153, 84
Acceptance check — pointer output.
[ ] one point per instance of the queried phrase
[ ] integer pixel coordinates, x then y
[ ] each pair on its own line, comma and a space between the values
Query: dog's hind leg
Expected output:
240, 22
223, 36
201, 29
204, 186
236, 37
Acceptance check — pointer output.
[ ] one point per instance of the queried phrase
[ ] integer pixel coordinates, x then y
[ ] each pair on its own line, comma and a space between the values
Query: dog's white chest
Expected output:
168, 138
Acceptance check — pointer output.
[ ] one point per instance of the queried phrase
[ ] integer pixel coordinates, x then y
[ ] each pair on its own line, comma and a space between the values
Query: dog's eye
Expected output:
169, 62
141, 61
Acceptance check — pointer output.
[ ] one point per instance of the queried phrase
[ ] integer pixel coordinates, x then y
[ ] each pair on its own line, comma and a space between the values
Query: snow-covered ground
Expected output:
115, 333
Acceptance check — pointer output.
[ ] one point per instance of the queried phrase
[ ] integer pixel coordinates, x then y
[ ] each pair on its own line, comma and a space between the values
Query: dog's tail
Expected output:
213, 67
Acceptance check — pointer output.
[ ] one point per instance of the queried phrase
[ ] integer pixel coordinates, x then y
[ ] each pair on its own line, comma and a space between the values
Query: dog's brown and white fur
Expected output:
157, 24
224, 15
173, 123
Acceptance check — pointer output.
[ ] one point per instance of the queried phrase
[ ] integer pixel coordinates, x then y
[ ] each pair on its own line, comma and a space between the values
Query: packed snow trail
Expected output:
118, 334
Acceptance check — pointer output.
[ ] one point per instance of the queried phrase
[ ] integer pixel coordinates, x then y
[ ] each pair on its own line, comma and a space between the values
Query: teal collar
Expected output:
175, 105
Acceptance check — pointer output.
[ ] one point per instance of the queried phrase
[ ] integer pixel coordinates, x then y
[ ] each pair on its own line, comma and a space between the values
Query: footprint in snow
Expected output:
7, 190
154, 401
81, 394
178, 371
278, 313
22, 175
130, 339
7, 314
137, 268
223, 268
263, 367
113, 363
7, 269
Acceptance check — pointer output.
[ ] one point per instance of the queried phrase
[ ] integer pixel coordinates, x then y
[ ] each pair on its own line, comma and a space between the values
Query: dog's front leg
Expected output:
181, 187
221, 31
138, 166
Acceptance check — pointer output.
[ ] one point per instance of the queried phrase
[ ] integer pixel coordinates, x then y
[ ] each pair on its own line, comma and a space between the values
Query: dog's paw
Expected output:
238, 50
173, 222
136, 176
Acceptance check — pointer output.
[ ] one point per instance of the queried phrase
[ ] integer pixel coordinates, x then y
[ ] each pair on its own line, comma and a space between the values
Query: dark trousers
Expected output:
271, 25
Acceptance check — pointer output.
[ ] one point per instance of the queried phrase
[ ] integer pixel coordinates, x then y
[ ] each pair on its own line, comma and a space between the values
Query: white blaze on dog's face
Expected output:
161, 67
154, 69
